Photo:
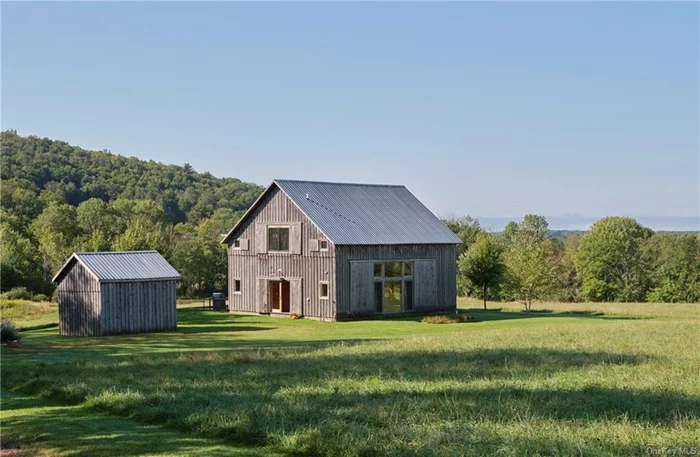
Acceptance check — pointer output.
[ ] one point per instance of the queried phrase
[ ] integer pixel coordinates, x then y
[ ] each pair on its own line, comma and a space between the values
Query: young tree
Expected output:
482, 264
530, 272
611, 263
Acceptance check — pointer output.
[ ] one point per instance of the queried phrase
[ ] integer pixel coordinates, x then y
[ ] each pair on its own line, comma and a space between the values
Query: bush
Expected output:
8, 331
40, 297
18, 293
448, 319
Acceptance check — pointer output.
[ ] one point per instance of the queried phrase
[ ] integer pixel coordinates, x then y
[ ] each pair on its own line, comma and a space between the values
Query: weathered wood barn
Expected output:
111, 293
337, 251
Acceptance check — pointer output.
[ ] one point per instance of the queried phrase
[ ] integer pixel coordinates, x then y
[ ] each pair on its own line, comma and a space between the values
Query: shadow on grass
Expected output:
77, 431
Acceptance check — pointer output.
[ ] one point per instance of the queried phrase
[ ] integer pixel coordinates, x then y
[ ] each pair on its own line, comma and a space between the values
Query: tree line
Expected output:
57, 199
617, 260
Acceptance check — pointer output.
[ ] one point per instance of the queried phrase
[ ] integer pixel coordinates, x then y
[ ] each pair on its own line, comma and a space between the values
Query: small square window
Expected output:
237, 243
323, 245
236, 286
323, 293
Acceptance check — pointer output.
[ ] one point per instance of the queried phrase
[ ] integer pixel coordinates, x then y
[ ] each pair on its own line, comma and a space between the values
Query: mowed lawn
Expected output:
571, 379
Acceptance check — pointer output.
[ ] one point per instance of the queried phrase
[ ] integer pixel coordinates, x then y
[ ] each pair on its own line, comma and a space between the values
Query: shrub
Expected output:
40, 297
18, 293
448, 319
8, 331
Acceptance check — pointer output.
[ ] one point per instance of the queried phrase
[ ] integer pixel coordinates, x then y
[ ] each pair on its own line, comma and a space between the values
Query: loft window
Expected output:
236, 286
278, 239
323, 293
323, 245
237, 243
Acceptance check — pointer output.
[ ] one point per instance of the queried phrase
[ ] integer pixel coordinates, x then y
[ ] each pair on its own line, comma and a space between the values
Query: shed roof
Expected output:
123, 266
364, 214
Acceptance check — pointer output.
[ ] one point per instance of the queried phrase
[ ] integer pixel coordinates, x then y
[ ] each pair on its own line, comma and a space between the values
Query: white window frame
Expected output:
321, 242
320, 290
240, 286
237, 248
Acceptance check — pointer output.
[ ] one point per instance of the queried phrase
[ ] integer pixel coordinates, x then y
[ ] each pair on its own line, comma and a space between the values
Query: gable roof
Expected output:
123, 266
363, 214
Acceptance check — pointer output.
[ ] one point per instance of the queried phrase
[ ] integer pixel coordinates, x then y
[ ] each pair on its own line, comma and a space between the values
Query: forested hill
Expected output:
55, 170
57, 199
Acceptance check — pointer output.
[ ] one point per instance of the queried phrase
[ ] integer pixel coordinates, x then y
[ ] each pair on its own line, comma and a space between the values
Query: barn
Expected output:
112, 293
340, 251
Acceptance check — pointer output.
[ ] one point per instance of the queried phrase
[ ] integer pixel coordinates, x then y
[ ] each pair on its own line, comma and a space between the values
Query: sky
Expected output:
490, 109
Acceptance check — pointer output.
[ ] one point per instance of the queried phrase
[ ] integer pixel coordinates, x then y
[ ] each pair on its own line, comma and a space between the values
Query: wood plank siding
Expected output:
305, 262
79, 303
435, 287
88, 307
138, 307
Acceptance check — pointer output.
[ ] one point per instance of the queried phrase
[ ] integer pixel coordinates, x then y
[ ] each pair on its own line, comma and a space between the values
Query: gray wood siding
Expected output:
311, 266
138, 307
79, 304
444, 256
424, 285
361, 288
87, 307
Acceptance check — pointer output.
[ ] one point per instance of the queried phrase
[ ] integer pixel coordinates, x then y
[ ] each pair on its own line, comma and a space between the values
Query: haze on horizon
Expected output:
493, 110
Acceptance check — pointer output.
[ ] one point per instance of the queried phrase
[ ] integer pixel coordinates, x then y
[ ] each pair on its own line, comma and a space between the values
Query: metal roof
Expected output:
124, 266
366, 214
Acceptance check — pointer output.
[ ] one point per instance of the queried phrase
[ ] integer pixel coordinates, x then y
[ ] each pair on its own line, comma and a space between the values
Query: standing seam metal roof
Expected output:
124, 266
367, 214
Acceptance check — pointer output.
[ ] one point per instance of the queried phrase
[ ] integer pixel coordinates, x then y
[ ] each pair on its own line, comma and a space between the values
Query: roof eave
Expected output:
250, 210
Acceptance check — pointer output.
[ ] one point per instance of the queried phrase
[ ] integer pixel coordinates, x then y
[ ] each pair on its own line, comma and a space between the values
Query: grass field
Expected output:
571, 379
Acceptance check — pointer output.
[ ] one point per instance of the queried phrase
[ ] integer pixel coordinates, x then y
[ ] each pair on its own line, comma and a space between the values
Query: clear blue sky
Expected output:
494, 109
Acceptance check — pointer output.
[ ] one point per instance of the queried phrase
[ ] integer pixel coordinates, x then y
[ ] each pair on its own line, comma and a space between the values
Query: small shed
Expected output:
112, 293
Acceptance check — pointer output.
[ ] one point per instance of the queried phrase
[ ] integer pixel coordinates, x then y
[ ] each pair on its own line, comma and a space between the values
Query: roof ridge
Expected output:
338, 183
114, 252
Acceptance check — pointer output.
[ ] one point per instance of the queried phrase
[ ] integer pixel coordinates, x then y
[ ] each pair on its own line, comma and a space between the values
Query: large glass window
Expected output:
393, 287
408, 295
278, 239
378, 293
392, 269
392, 296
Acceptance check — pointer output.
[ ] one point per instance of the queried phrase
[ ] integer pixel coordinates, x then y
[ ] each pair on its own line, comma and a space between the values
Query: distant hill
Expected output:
56, 170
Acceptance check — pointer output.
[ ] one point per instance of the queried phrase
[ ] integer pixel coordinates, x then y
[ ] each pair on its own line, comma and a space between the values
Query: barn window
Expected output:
278, 239
393, 287
392, 296
323, 289
392, 269
237, 243
323, 245
236, 286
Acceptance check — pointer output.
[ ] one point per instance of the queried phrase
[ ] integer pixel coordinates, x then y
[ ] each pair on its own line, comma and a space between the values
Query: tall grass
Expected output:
609, 387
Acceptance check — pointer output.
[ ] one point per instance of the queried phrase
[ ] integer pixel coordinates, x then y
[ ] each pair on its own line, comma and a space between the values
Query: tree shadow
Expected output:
256, 397
77, 431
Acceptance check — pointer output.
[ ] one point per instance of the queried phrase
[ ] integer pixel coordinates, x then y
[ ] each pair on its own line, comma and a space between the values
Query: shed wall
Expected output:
310, 266
444, 256
79, 303
138, 307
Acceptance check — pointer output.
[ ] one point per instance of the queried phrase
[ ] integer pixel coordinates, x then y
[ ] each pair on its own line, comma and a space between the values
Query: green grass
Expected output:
26, 313
590, 379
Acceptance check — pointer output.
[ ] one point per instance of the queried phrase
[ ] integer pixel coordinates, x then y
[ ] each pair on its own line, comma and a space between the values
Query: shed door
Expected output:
263, 304
361, 287
295, 297
425, 284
